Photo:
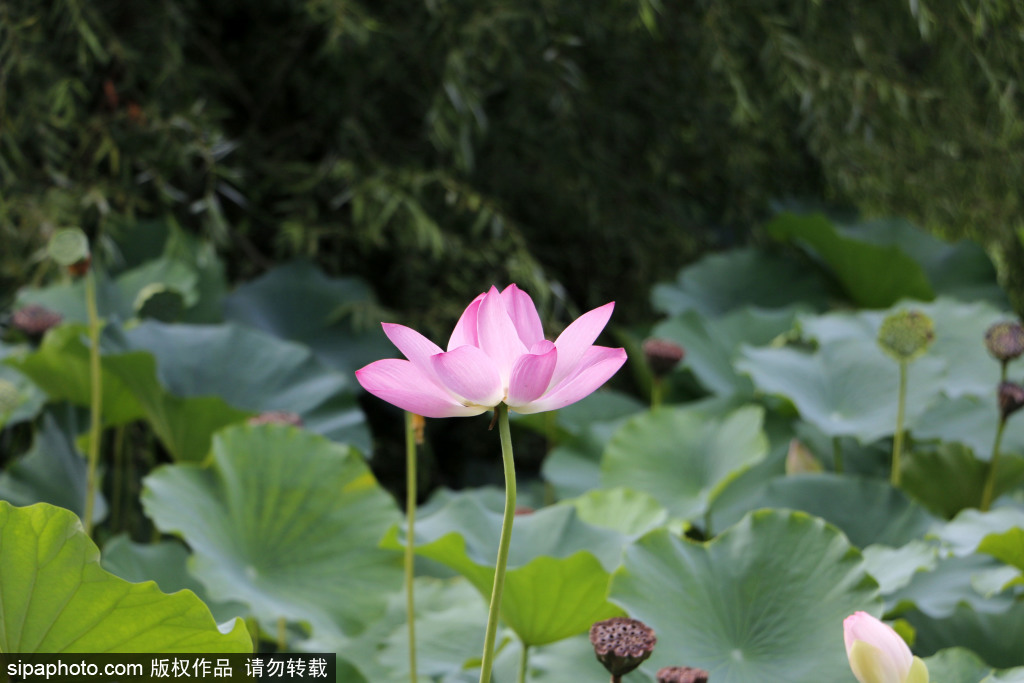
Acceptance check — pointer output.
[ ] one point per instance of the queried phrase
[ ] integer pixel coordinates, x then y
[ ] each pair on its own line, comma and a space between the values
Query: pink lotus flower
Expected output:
878, 654
497, 353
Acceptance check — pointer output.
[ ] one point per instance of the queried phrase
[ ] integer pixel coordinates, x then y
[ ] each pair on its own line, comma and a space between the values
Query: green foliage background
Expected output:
584, 150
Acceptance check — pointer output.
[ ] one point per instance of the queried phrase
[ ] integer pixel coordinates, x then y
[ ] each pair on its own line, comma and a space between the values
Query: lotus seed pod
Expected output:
682, 674
1011, 398
1005, 341
905, 335
35, 320
622, 644
70, 248
663, 355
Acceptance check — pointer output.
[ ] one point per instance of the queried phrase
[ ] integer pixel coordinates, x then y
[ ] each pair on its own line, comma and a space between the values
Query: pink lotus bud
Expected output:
878, 654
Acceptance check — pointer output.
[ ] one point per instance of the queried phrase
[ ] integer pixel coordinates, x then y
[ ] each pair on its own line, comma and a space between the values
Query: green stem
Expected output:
116, 513
897, 443
657, 391
410, 516
707, 524
96, 399
487, 662
282, 634
837, 455
993, 463
524, 658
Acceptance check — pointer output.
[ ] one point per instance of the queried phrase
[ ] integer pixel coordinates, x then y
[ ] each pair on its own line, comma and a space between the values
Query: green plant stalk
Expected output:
837, 455
524, 659
117, 514
657, 392
897, 442
487, 661
993, 464
96, 397
410, 516
282, 634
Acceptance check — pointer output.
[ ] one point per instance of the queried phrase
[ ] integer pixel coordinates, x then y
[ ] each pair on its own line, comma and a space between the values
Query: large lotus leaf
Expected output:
961, 269
60, 367
722, 282
960, 665
118, 298
164, 562
131, 391
558, 566
57, 598
764, 601
995, 636
956, 665
867, 511
894, 568
252, 371
52, 471
999, 533
20, 399
573, 467
971, 421
575, 419
624, 510
840, 389
959, 333
872, 275
335, 317
954, 581
684, 456
947, 477
283, 521
450, 620
713, 344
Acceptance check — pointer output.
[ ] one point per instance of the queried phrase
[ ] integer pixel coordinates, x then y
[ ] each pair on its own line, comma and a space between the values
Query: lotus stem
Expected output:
524, 658
96, 398
897, 443
410, 516
657, 393
487, 661
282, 634
837, 455
993, 464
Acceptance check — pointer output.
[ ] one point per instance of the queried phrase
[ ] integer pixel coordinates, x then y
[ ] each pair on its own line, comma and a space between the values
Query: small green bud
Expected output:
1005, 341
69, 247
905, 335
622, 644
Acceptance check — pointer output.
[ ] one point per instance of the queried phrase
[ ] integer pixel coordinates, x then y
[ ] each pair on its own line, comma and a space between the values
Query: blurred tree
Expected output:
437, 146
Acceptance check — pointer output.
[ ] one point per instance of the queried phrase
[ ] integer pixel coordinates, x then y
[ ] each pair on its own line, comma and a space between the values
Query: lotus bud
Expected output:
1011, 398
905, 335
70, 248
662, 356
878, 654
622, 644
800, 460
34, 320
682, 674
1005, 341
